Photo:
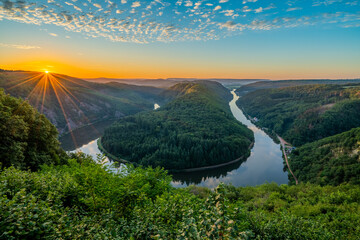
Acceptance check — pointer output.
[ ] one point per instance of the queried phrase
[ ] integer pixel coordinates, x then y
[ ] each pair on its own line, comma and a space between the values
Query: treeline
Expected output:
305, 113
290, 83
47, 194
195, 129
333, 160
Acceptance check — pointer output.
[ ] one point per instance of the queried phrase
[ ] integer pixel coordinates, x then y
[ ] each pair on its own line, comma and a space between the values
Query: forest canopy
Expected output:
329, 161
28, 139
305, 114
195, 129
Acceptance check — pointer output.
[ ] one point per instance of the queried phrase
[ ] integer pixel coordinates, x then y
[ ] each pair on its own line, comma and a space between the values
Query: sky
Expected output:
262, 39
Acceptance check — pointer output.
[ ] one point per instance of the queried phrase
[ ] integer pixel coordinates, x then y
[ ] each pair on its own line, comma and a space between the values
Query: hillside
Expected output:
333, 160
195, 129
70, 103
290, 83
305, 114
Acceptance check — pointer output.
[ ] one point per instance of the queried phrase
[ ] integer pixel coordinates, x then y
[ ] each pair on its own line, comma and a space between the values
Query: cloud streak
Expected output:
181, 20
18, 46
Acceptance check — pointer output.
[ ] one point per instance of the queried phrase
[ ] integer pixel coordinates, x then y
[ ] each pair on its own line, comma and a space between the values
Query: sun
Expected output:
46, 72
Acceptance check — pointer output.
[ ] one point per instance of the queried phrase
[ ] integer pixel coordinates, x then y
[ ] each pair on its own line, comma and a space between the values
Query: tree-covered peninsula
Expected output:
193, 130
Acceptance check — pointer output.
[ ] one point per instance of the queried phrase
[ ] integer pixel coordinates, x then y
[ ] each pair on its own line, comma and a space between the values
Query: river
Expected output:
265, 164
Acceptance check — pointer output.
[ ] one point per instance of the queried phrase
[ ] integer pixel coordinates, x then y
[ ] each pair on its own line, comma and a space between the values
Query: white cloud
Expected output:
293, 9
135, 4
169, 20
249, 1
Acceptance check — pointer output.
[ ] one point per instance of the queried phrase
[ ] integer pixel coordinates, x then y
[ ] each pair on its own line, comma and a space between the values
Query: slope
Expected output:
70, 102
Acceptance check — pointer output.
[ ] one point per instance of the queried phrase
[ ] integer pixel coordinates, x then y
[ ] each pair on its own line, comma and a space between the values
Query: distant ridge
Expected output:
169, 82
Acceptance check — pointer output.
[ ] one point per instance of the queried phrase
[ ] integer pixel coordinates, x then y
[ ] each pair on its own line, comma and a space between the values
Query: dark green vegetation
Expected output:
289, 83
78, 198
331, 160
306, 113
83, 102
313, 114
27, 138
195, 129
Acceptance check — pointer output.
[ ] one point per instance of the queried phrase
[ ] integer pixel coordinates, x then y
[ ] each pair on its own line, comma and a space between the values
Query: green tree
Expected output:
27, 138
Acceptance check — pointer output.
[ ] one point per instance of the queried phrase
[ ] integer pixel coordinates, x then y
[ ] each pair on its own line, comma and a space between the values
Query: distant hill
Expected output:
71, 103
195, 129
290, 83
168, 82
305, 114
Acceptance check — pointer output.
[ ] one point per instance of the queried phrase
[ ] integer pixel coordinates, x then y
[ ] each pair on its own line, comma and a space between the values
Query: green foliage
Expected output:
291, 83
331, 160
27, 138
306, 113
304, 211
82, 200
195, 129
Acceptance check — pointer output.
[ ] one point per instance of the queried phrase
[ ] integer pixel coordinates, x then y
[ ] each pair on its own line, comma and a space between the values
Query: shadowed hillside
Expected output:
70, 102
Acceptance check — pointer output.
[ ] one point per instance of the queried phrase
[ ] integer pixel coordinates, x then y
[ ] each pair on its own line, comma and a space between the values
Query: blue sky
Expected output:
222, 38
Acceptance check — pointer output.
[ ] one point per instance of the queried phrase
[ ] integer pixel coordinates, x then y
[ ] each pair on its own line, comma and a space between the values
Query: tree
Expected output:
27, 138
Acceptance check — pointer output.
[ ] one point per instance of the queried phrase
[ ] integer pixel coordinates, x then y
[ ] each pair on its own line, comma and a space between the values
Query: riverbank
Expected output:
283, 142
213, 166
111, 156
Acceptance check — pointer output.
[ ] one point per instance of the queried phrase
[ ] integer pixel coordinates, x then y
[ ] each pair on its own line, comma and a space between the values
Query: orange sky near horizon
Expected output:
134, 71
234, 39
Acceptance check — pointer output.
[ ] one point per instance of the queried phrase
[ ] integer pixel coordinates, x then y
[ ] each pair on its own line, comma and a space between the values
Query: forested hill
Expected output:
290, 83
305, 114
195, 129
333, 160
72, 102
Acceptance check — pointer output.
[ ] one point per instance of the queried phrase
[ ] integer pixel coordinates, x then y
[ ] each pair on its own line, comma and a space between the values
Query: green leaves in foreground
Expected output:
82, 200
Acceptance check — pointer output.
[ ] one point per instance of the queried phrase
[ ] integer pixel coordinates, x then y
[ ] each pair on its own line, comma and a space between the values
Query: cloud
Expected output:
217, 8
18, 46
136, 4
293, 9
53, 34
143, 21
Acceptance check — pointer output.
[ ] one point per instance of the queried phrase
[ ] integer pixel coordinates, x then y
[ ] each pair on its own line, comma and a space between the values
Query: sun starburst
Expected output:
46, 84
